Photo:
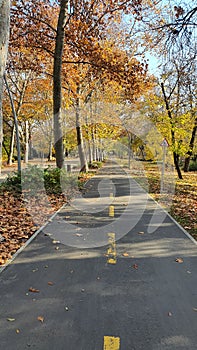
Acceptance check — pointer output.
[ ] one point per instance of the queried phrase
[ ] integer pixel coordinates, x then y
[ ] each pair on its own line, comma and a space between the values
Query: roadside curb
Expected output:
170, 216
30, 240
9, 262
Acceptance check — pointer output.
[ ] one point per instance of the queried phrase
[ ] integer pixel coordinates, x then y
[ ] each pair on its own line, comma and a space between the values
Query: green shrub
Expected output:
95, 164
36, 180
193, 165
12, 183
59, 180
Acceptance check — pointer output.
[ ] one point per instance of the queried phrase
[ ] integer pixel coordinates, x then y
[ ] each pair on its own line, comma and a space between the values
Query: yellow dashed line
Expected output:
111, 343
111, 252
111, 211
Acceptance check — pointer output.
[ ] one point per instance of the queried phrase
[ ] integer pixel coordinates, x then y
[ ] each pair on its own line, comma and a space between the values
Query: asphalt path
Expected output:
111, 271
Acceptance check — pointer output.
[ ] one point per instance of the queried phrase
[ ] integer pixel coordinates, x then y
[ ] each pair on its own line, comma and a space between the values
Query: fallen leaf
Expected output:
66, 308
50, 283
169, 314
17, 331
179, 260
141, 233
10, 319
135, 266
34, 290
40, 318
57, 248
78, 234
125, 254
55, 242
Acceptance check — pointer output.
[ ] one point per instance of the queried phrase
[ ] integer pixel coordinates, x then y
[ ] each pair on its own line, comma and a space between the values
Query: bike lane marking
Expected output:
111, 251
111, 343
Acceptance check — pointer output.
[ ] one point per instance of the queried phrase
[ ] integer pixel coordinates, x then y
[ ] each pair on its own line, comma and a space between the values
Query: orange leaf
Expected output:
33, 290
179, 260
40, 318
125, 254
50, 283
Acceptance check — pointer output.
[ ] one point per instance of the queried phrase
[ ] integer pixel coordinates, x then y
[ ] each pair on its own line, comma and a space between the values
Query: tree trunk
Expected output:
4, 37
11, 150
57, 85
26, 155
80, 144
176, 163
50, 157
175, 155
88, 139
5, 148
191, 147
93, 144
16, 125
30, 144
89, 152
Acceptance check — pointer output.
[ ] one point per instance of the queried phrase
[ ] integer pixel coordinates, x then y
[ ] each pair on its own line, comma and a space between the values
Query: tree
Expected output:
15, 125
172, 130
168, 26
4, 35
170, 30
180, 30
83, 27
57, 83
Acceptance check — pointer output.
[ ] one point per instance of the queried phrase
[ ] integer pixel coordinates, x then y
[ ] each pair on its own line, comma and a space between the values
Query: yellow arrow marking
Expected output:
111, 251
111, 343
111, 211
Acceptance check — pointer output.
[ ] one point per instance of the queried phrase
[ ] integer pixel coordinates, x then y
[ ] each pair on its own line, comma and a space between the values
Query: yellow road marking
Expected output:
111, 211
111, 251
111, 195
111, 343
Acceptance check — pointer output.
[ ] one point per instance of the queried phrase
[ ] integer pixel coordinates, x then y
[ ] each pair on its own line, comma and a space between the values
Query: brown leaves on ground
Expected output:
184, 206
17, 224
184, 202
